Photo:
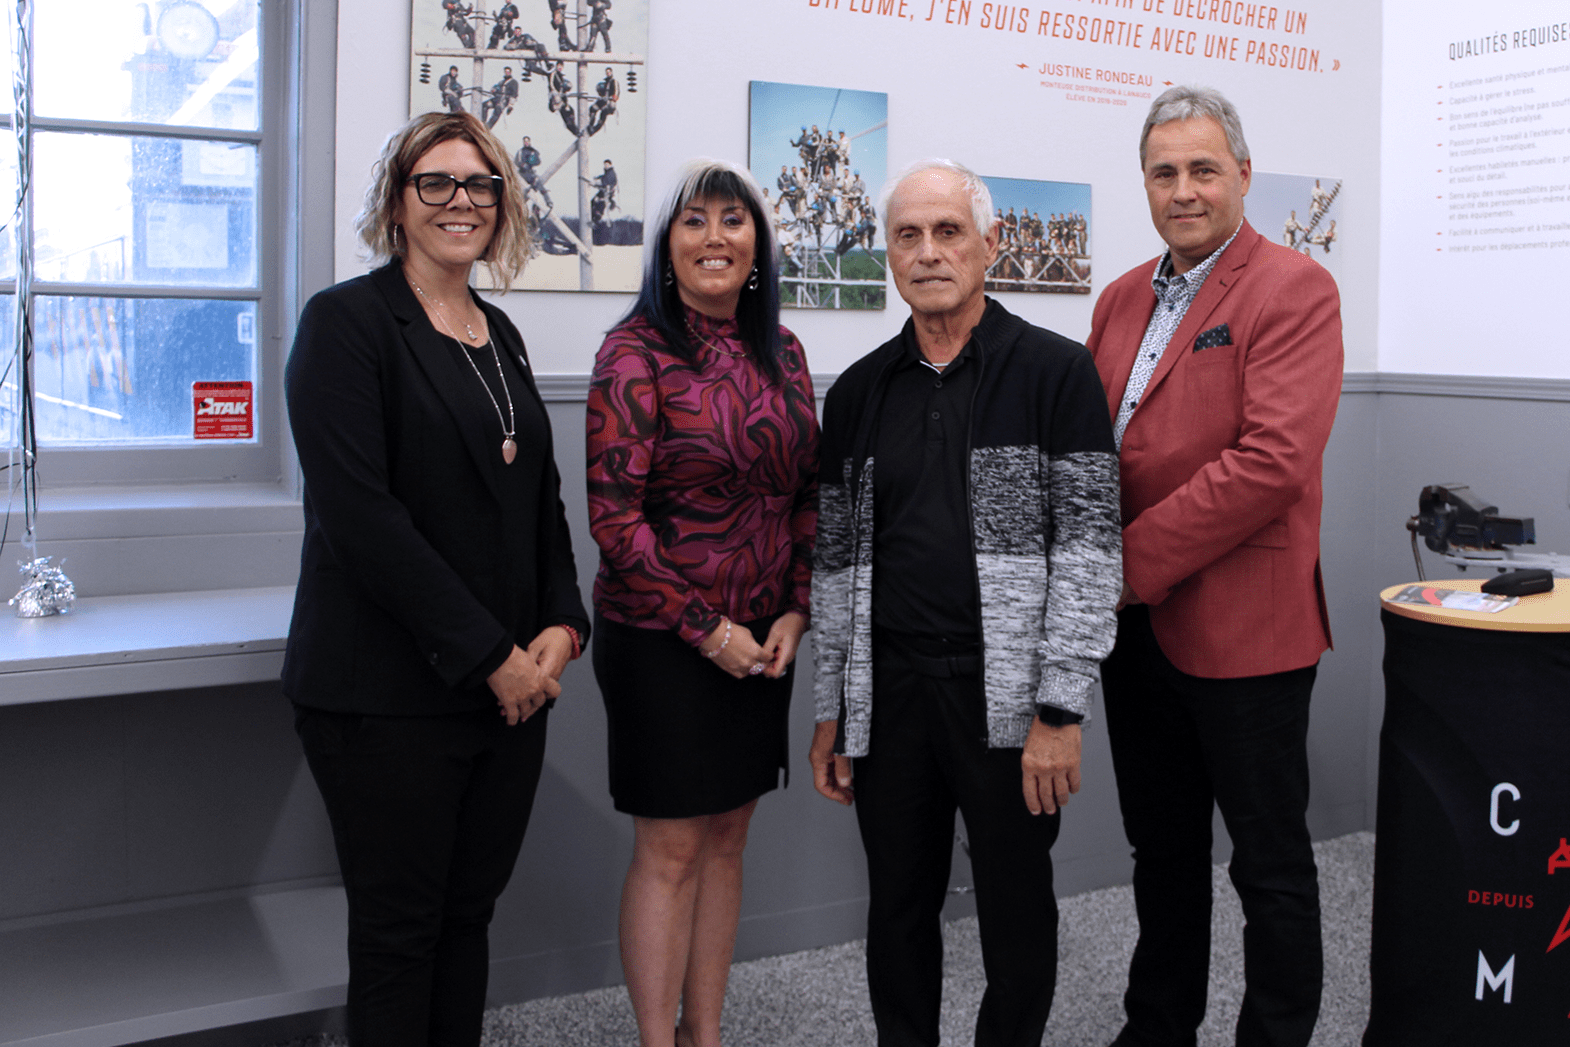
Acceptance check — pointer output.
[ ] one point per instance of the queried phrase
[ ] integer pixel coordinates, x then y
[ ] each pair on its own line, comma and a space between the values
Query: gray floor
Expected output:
819, 999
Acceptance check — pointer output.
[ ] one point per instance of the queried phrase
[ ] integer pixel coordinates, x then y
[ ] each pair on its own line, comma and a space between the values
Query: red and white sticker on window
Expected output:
223, 410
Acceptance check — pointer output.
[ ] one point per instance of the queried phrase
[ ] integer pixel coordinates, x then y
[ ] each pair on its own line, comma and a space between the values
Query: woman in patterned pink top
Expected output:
703, 454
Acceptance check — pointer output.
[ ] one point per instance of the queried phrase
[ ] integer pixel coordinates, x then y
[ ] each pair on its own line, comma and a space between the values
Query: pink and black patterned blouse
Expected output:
703, 492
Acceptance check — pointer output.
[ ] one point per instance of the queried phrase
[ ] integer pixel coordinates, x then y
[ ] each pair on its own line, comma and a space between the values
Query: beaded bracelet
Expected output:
716, 652
577, 642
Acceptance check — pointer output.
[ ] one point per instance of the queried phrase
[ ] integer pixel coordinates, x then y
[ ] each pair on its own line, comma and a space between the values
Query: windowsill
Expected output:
165, 509
111, 645
117, 540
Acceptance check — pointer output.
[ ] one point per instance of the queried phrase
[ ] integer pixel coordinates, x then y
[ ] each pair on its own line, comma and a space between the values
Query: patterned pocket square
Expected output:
1218, 335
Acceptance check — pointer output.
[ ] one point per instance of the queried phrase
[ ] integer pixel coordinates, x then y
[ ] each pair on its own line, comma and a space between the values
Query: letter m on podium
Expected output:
1487, 977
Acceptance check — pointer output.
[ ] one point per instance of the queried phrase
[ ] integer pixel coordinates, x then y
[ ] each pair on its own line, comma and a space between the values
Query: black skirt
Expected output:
685, 737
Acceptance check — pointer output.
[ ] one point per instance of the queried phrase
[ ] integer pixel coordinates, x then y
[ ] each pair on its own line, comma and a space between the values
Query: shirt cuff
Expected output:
493, 661
697, 622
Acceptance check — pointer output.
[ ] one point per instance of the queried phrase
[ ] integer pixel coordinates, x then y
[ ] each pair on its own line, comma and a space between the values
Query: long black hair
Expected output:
758, 310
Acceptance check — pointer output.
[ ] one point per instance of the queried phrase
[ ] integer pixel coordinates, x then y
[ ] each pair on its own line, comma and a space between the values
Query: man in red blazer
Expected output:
1222, 364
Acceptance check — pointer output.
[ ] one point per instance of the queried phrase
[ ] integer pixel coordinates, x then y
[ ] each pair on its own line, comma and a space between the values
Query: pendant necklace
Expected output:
509, 424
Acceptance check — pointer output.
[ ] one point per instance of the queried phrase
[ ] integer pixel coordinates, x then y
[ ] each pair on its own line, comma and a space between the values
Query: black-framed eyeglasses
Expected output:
439, 189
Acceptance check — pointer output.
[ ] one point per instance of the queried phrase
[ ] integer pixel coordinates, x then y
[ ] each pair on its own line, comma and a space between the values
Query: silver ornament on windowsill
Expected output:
45, 590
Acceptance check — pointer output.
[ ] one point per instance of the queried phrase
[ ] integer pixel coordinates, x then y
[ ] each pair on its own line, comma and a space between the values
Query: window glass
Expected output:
111, 370
120, 209
158, 61
7, 205
7, 85
10, 391
113, 210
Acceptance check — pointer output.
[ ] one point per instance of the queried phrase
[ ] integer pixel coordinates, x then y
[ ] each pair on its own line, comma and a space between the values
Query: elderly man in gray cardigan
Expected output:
961, 622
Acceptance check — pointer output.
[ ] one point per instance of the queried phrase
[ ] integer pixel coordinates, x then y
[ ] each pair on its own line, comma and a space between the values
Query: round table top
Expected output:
1539, 613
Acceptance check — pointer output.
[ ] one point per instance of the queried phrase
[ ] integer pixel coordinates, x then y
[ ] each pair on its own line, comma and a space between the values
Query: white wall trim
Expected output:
572, 388
1475, 387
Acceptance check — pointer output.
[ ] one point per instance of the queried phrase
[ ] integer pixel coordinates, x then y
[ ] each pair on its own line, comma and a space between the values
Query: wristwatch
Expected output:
1052, 716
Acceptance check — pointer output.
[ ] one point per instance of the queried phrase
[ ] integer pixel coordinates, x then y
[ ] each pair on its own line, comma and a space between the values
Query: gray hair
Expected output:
1185, 102
976, 189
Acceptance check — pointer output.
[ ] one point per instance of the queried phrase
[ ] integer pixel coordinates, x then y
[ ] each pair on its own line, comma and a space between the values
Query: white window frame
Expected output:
214, 489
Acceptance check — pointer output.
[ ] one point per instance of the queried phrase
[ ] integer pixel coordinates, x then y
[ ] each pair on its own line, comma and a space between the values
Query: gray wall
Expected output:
126, 800
1341, 800
1507, 438
108, 801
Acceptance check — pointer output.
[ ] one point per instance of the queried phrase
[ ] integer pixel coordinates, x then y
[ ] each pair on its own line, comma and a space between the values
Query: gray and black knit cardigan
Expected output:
1045, 529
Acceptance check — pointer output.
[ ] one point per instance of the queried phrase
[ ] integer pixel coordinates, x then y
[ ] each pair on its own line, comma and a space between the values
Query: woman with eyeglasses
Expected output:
438, 602
703, 453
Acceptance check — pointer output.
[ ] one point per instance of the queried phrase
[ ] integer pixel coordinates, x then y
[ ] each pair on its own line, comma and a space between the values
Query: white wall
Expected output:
1476, 218
956, 90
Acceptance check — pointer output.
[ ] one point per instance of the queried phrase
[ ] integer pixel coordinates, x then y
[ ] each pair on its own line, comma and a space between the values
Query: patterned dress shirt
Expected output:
1174, 294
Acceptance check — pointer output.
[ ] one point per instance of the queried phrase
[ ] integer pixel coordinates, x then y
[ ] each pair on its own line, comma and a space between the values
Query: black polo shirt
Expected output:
923, 564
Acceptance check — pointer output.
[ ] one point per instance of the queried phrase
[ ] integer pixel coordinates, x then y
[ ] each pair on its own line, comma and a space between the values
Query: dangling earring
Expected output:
670, 274
752, 281
396, 249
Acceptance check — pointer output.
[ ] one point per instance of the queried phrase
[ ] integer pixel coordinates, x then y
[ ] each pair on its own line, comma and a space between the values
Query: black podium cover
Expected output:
1471, 934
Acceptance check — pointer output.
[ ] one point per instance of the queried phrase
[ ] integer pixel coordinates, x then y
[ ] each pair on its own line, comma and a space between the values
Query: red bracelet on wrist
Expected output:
577, 641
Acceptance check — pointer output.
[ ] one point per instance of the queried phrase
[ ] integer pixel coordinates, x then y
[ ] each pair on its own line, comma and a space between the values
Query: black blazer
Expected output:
408, 597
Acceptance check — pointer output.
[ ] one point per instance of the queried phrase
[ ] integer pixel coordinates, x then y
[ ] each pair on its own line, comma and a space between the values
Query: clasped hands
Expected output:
741, 655
529, 677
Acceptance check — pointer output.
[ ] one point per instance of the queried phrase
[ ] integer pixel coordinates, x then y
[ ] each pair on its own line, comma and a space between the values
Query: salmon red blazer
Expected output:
1221, 461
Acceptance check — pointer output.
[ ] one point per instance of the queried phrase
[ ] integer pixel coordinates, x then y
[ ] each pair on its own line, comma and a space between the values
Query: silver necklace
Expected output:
438, 306
509, 425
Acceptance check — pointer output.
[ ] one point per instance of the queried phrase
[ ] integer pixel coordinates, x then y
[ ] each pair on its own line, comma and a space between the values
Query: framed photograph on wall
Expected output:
1298, 211
560, 83
1043, 236
821, 155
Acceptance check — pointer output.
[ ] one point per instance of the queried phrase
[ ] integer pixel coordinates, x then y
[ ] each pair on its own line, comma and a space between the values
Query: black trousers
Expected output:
428, 815
928, 756
1180, 746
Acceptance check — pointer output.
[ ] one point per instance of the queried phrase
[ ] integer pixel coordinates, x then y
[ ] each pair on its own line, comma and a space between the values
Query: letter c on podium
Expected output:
1493, 809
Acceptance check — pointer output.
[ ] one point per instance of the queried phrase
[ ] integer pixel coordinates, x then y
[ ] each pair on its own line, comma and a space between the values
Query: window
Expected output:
156, 134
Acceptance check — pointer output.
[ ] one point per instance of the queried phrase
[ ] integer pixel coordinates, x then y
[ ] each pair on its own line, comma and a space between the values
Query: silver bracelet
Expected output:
716, 652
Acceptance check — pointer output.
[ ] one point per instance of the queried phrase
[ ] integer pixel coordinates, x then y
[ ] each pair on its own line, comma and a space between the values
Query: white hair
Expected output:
976, 189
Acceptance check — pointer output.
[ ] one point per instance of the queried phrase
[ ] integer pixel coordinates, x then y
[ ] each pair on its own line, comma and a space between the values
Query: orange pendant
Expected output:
509, 450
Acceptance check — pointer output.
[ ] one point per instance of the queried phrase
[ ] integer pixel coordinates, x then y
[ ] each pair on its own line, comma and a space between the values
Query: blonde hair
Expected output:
509, 246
